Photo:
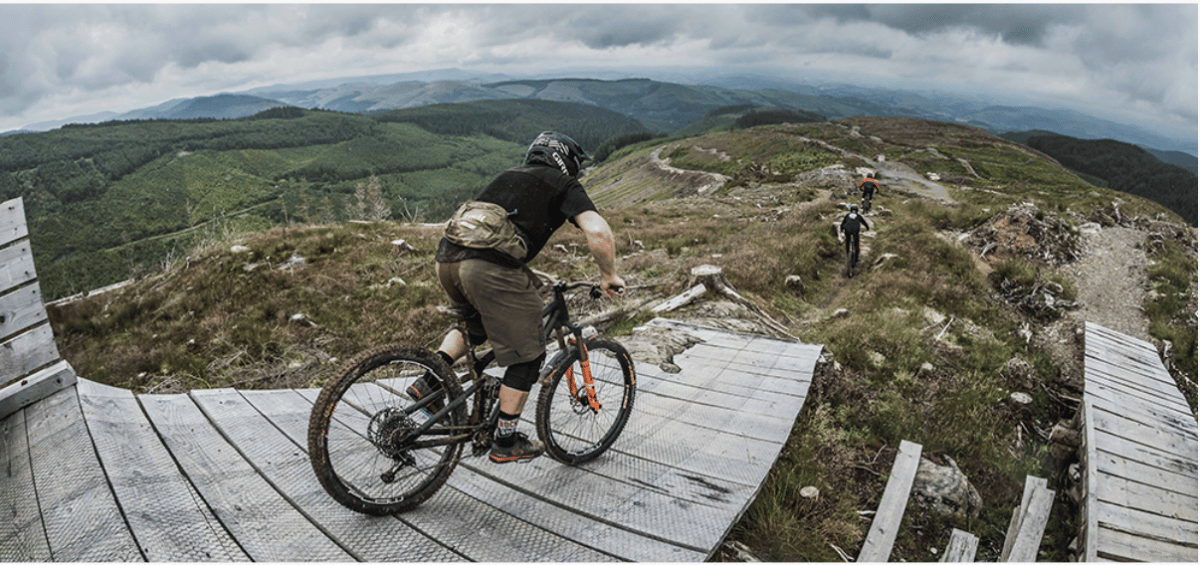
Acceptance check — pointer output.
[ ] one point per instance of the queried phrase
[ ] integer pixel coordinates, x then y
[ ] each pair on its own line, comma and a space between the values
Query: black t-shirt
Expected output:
539, 199
853, 222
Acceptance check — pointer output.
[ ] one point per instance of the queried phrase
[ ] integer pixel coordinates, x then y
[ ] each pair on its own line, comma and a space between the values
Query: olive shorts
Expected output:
510, 310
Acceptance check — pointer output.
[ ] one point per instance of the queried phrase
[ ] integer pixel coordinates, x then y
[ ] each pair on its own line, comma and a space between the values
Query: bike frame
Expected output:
555, 319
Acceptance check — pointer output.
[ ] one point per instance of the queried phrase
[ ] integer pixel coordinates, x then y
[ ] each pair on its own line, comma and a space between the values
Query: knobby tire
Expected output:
357, 413
572, 431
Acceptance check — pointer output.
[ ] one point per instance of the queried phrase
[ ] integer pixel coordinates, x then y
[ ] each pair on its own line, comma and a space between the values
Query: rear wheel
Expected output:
573, 429
362, 438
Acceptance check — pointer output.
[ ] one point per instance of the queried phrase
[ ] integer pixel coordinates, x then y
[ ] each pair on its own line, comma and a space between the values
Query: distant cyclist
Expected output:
868, 187
852, 223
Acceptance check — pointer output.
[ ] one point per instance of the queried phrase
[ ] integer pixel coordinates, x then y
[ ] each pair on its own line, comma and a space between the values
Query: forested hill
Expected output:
104, 199
1124, 167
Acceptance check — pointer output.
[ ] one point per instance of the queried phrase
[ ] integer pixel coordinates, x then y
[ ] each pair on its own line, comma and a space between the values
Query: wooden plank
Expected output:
166, 515
1120, 546
1125, 492
1107, 398
1117, 465
82, 519
1032, 523
1171, 441
20, 309
30, 389
12, 221
1125, 381
1117, 446
286, 466
1014, 523
16, 266
27, 352
22, 537
1140, 523
608, 537
961, 548
1091, 478
882, 535
267, 526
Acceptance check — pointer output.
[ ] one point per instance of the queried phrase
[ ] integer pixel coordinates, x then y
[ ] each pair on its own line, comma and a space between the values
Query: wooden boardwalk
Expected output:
96, 473
1139, 455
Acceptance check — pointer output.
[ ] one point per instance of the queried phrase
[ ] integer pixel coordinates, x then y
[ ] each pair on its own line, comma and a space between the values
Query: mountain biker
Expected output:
499, 292
868, 187
851, 224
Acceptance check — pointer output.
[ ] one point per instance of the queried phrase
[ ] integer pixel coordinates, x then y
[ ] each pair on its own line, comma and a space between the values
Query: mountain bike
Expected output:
866, 204
377, 451
852, 252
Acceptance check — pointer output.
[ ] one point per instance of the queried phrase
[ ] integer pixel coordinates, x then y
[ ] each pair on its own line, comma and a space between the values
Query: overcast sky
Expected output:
63, 60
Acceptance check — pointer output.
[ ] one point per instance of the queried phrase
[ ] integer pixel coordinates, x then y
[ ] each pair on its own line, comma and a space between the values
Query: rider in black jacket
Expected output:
852, 223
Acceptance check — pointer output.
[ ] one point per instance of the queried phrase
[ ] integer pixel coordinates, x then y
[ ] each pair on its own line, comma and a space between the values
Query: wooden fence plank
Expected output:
20, 309
32, 388
82, 519
12, 221
1034, 513
16, 266
961, 548
167, 516
22, 537
267, 526
27, 352
882, 535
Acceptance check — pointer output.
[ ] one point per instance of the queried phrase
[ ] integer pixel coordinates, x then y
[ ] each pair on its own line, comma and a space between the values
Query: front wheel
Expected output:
364, 435
574, 428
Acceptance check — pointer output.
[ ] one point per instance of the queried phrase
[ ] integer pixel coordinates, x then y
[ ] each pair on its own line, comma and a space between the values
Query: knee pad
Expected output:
521, 376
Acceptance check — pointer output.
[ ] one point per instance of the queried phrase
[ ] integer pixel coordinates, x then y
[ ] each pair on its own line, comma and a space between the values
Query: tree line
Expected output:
102, 199
1125, 167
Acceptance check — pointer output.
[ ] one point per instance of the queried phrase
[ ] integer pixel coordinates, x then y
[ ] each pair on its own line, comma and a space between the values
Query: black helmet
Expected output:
854, 207
557, 150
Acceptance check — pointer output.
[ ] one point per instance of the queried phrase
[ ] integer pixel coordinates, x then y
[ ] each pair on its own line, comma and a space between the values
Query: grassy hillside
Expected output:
110, 201
919, 352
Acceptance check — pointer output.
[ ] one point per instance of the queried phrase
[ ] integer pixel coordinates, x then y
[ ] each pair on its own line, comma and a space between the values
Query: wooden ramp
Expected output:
95, 473
1139, 455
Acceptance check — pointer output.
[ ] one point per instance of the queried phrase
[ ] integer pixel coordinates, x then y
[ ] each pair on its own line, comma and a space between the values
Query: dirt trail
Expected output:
1110, 281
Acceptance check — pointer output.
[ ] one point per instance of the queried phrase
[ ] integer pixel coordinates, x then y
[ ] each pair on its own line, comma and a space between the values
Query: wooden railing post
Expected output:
30, 366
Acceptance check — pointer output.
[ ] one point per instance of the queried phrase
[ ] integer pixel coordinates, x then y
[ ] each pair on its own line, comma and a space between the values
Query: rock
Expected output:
841, 313
396, 281
926, 369
659, 346
239, 249
1020, 400
293, 262
945, 490
794, 284
401, 247
810, 493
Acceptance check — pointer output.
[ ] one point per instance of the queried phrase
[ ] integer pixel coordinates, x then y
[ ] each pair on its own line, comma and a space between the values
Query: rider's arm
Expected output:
603, 248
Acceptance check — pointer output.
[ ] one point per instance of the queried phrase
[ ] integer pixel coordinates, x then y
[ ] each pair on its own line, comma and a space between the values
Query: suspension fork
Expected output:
585, 368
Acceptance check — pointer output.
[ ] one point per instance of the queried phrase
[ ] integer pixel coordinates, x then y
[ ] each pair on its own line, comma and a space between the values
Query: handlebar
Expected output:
595, 291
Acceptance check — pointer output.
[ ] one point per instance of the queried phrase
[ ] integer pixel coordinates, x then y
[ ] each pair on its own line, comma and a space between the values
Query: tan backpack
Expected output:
484, 225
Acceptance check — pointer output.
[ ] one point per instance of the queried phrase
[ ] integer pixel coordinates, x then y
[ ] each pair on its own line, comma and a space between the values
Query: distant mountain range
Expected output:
661, 106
